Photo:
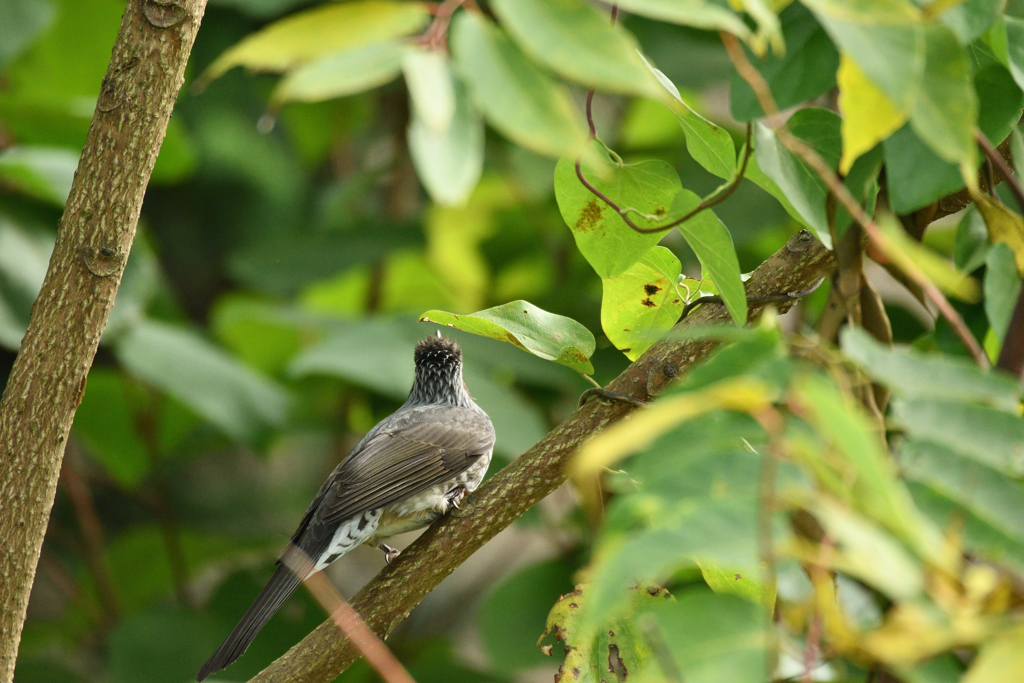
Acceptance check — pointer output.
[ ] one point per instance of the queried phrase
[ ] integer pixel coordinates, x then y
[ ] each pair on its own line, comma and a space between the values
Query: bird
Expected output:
409, 470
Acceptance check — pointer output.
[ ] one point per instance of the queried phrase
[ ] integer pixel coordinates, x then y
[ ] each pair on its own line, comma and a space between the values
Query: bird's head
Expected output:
438, 372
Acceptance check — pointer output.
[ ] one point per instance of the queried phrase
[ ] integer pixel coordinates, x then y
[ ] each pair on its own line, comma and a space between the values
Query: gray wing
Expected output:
393, 465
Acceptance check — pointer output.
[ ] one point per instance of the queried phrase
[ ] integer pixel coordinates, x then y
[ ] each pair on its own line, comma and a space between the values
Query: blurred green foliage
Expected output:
365, 167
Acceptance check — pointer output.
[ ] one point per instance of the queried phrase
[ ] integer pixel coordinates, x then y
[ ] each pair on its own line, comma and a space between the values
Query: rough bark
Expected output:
393, 593
94, 237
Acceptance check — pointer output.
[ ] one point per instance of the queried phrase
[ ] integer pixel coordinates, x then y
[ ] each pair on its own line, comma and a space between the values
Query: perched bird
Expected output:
408, 471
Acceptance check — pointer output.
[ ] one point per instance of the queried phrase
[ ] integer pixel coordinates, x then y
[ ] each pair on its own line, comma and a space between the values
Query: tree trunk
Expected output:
93, 240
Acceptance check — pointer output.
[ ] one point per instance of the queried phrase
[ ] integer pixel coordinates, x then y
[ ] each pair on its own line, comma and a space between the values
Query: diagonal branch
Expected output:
392, 594
95, 234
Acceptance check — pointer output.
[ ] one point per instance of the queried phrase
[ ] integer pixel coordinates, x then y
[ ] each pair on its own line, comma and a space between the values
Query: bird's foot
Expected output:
455, 497
389, 553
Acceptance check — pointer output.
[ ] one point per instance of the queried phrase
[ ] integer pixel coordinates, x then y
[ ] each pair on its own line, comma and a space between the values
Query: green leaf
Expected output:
1002, 288
802, 186
449, 161
213, 384
885, 38
868, 553
550, 336
340, 74
988, 494
945, 110
730, 582
970, 19
512, 614
577, 41
917, 176
806, 69
922, 68
161, 646
753, 356
20, 24
971, 245
642, 303
912, 374
712, 243
992, 437
428, 76
979, 537
1000, 659
322, 31
41, 172
710, 146
697, 13
608, 654
604, 239
107, 423
713, 637
1015, 48
910, 255
262, 334
721, 532
866, 476
518, 99
24, 257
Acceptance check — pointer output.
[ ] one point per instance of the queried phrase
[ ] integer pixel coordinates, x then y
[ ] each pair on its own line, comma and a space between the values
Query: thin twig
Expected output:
842, 193
714, 199
438, 28
348, 620
997, 159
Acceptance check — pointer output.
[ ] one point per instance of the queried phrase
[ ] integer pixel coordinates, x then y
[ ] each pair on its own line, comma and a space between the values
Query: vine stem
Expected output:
717, 197
801, 149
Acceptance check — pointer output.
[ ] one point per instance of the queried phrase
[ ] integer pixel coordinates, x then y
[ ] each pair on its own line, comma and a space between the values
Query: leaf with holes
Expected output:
641, 304
550, 336
617, 649
605, 240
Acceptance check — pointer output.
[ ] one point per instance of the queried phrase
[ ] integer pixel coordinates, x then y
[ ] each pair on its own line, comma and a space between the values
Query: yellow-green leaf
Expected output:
641, 304
868, 115
324, 30
627, 437
1001, 660
1004, 226
911, 256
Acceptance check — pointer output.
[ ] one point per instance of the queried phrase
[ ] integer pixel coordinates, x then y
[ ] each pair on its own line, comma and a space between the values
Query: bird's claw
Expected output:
455, 496
389, 553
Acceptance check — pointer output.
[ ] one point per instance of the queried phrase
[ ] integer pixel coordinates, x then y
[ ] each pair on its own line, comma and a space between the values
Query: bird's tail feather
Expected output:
273, 595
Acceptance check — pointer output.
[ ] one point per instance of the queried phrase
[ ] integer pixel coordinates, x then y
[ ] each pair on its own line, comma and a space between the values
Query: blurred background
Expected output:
266, 321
